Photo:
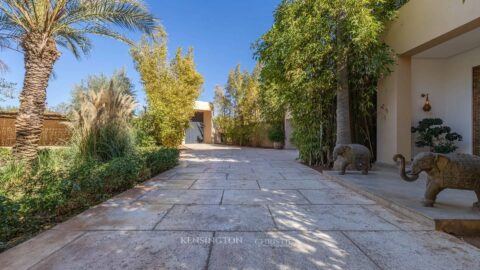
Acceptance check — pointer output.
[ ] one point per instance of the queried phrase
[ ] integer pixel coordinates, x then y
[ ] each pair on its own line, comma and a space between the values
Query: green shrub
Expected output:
160, 159
5, 155
101, 128
276, 133
144, 131
29, 198
60, 184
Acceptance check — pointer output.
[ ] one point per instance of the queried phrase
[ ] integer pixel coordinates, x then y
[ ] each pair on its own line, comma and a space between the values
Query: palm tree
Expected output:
343, 97
39, 27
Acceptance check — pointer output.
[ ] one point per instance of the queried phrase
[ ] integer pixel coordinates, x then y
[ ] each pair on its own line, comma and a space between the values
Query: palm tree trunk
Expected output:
344, 135
40, 56
343, 99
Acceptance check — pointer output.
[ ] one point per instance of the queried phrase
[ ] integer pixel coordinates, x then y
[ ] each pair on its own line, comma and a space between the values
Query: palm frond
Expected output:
69, 22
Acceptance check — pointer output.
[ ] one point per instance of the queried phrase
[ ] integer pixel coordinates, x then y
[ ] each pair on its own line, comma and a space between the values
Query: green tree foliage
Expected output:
303, 56
39, 27
172, 86
238, 107
7, 90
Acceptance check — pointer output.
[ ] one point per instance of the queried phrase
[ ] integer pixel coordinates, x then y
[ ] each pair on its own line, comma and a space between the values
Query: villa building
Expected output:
437, 46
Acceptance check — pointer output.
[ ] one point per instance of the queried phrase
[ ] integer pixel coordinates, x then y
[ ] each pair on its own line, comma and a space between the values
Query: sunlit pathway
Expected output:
232, 208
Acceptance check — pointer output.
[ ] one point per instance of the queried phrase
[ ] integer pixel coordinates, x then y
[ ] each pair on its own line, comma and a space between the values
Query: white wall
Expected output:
449, 83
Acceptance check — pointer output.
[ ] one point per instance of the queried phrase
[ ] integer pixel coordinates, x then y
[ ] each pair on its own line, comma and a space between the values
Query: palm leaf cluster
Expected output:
101, 128
69, 22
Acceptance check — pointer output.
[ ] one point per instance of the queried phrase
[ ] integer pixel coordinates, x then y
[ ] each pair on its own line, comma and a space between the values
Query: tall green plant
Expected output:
172, 86
39, 27
238, 105
323, 56
101, 128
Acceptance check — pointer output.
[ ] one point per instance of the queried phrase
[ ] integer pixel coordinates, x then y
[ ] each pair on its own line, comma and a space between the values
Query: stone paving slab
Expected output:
169, 184
255, 176
263, 197
218, 218
182, 197
399, 220
195, 169
287, 250
299, 184
331, 196
303, 176
301, 220
29, 253
199, 176
328, 217
417, 250
131, 250
225, 184
113, 216
131, 194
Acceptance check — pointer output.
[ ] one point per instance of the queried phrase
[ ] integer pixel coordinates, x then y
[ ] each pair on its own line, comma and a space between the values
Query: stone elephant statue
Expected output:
455, 171
354, 156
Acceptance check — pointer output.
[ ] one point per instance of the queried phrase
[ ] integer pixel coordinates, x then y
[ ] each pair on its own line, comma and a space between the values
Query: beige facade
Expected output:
437, 44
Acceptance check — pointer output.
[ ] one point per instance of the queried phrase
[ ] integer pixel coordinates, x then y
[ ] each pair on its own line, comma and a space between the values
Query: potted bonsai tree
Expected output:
276, 135
437, 137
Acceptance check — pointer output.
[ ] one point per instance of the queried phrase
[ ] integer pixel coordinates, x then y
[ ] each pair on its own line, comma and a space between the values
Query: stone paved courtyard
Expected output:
232, 208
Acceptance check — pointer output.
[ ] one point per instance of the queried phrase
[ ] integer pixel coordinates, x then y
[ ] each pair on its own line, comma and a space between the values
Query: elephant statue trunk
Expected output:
403, 173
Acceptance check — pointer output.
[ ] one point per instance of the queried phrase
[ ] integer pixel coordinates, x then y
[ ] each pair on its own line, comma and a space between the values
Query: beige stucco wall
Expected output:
394, 114
421, 25
449, 83
426, 23
208, 127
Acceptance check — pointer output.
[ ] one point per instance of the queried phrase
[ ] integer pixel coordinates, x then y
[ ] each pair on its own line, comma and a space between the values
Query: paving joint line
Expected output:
380, 216
361, 250
57, 250
193, 183
303, 195
221, 199
273, 219
163, 217
210, 248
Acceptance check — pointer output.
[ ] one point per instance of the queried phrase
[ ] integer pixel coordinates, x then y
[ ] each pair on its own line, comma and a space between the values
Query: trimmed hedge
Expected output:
60, 186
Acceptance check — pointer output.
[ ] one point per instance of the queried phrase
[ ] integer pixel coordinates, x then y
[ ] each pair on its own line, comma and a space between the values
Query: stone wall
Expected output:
54, 131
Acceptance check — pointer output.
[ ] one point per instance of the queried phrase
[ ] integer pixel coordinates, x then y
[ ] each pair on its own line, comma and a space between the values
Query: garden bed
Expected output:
59, 186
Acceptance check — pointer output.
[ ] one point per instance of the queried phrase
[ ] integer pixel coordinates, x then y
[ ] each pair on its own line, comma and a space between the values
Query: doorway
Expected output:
195, 133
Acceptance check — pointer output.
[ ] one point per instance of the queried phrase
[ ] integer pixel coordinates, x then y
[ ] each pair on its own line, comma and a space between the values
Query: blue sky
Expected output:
220, 31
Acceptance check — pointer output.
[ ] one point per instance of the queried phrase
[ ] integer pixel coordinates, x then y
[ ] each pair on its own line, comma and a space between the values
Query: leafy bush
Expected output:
4, 155
238, 107
60, 184
159, 160
301, 56
171, 87
144, 130
439, 138
276, 133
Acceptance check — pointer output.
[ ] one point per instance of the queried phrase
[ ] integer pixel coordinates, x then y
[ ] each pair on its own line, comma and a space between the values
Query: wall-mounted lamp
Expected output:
426, 107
